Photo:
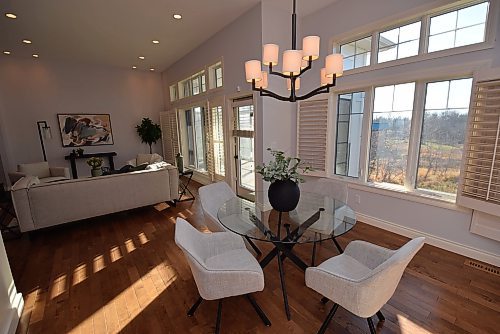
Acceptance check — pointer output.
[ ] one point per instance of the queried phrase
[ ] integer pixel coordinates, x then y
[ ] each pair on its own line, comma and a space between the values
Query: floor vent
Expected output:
484, 267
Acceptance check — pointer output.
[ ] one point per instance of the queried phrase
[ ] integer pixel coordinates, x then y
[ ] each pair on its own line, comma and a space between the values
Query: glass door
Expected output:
244, 147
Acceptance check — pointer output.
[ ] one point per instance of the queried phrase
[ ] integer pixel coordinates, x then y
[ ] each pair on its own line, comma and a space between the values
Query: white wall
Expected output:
36, 90
11, 302
445, 227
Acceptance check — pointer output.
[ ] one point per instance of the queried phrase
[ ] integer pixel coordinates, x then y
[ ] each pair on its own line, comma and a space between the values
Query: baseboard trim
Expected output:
433, 240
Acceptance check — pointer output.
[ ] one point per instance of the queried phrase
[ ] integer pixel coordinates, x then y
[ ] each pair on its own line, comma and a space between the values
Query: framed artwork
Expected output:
85, 129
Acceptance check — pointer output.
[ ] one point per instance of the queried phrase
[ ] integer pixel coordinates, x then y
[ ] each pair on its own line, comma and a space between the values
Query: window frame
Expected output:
423, 54
370, 58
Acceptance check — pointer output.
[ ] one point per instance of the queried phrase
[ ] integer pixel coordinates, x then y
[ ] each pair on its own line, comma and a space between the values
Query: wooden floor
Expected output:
124, 273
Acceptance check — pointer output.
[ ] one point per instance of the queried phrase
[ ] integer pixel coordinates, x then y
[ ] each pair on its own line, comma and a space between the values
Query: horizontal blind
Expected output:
312, 128
208, 124
169, 135
481, 174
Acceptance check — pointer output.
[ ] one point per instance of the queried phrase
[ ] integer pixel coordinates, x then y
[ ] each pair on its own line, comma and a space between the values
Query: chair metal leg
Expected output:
283, 287
259, 311
324, 300
219, 316
380, 316
372, 327
328, 319
254, 246
314, 250
193, 308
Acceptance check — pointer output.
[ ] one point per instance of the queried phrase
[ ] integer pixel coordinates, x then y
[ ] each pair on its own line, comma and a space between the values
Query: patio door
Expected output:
243, 133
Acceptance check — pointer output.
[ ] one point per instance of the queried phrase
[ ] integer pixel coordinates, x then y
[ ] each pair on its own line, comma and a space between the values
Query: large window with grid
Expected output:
218, 140
193, 137
400, 42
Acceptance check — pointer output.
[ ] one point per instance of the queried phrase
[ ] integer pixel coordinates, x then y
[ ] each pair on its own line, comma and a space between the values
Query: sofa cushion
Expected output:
39, 169
143, 159
53, 179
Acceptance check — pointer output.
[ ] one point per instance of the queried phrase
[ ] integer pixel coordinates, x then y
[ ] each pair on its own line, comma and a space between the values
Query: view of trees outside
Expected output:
443, 134
390, 133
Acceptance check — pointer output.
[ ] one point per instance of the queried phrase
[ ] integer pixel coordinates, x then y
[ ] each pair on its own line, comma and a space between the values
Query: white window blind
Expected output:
169, 135
480, 186
312, 128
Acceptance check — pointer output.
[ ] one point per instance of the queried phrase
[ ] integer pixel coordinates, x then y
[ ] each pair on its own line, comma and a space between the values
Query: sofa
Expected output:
42, 170
145, 158
39, 205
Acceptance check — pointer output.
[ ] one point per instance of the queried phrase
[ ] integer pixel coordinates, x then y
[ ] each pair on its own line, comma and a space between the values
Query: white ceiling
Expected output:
117, 32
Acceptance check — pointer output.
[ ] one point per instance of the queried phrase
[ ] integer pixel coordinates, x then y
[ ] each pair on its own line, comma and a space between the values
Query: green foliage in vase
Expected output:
149, 132
94, 162
282, 168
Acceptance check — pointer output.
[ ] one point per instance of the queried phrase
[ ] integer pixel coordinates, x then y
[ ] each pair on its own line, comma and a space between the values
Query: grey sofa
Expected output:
39, 205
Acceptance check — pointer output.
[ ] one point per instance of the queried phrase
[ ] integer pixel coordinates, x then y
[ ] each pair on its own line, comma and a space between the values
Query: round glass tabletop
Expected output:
317, 217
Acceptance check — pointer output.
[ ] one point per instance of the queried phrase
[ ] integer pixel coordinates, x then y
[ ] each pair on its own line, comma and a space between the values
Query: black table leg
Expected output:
283, 287
73, 168
337, 245
111, 162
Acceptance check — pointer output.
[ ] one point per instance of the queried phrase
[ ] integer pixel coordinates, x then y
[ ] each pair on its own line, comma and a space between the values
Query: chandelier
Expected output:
295, 63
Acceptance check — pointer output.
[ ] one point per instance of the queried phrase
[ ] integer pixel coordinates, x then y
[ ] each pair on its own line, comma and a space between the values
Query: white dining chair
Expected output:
362, 279
331, 188
212, 197
222, 267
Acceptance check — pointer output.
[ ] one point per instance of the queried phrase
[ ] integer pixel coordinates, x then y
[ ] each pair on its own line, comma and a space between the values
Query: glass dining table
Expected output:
317, 217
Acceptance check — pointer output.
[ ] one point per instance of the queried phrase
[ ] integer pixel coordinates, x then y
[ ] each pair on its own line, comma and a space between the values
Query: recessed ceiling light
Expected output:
26, 41
6, 52
155, 41
177, 16
11, 15
35, 55
134, 67
142, 57
151, 69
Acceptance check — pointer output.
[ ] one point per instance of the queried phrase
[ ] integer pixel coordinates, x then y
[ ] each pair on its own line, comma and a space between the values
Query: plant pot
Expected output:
284, 195
96, 172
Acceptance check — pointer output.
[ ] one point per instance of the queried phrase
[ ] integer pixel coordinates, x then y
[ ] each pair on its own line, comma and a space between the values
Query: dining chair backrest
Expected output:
190, 240
381, 283
329, 187
212, 197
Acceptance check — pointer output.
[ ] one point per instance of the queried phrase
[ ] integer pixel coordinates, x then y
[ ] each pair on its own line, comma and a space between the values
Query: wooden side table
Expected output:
183, 187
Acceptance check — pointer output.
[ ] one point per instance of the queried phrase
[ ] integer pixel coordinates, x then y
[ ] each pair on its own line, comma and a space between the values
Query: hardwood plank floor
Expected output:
123, 273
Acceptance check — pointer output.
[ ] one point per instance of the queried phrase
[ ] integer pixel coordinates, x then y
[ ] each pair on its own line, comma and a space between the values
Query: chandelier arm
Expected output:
319, 90
305, 69
265, 92
277, 73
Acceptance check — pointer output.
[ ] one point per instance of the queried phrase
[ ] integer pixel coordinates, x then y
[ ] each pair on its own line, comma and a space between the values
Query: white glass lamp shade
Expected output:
270, 54
324, 79
263, 82
292, 60
289, 84
310, 47
334, 65
253, 70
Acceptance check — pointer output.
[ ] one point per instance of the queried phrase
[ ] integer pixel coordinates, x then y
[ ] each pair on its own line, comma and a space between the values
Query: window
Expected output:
215, 75
443, 134
218, 140
173, 93
218, 76
457, 28
357, 53
399, 43
194, 138
349, 129
390, 132
198, 84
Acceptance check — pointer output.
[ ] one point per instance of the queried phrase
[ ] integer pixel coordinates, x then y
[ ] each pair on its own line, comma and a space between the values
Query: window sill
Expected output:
422, 57
401, 192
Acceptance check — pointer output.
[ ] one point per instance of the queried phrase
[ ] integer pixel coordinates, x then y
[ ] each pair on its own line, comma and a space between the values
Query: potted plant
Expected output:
283, 173
149, 132
96, 164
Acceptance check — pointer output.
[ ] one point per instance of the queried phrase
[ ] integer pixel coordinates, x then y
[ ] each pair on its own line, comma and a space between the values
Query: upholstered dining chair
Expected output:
222, 267
362, 279
212, 197
331, 188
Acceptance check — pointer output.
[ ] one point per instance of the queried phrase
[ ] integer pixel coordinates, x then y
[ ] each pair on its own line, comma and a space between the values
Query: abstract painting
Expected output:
85, 129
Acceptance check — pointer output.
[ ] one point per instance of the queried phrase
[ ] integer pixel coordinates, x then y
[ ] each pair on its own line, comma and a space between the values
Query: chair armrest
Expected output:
60, 171
15, 176
221, 242
367, 253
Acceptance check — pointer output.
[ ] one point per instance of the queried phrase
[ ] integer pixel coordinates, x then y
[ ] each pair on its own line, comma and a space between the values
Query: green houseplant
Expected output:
149, 132
283, 173
96, 164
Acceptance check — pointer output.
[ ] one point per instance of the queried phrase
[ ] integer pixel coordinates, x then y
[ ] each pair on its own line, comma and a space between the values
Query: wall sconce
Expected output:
43, 133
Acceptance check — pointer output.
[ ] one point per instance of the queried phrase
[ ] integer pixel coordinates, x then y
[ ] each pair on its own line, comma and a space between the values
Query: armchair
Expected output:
42, 170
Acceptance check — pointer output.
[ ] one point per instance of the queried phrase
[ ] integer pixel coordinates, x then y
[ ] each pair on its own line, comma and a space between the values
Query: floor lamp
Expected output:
43, 133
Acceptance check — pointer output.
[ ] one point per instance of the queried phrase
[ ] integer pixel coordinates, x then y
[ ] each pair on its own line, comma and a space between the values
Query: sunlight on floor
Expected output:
120, 306
142, 238
99, 263
129, 245
409, 327
79, 274
58, 286
115, 253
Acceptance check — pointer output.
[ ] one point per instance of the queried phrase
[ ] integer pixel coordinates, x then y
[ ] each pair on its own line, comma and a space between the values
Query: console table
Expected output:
72, 159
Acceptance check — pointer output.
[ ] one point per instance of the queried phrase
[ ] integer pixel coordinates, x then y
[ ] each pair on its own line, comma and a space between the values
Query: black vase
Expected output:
284, 195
